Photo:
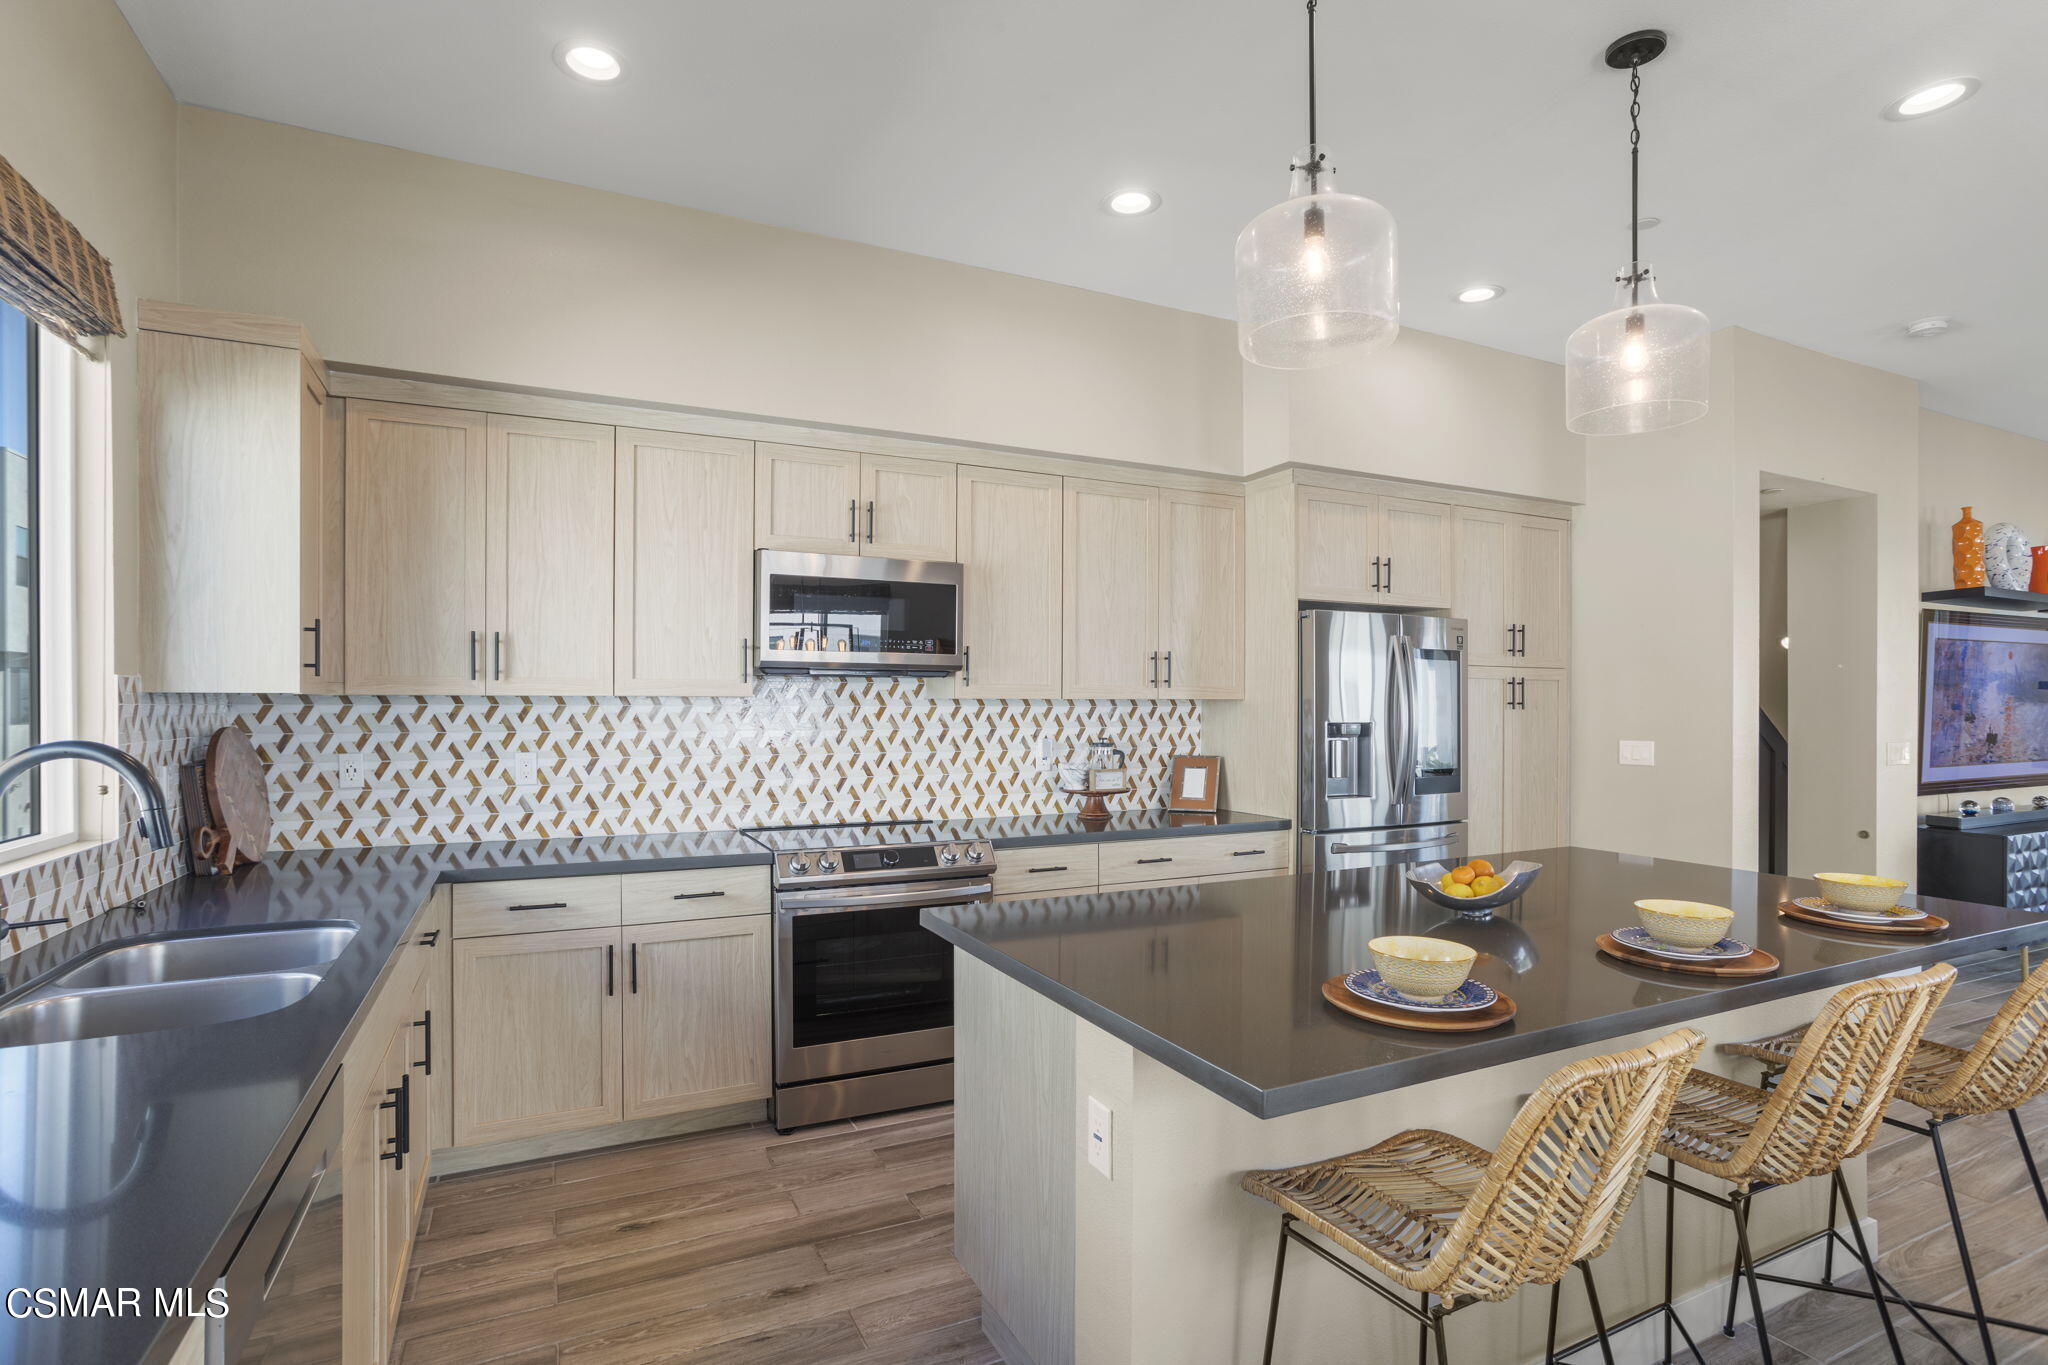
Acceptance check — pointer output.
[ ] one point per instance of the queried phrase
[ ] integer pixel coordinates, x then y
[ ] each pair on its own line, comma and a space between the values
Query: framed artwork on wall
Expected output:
1983, 701
1196, 783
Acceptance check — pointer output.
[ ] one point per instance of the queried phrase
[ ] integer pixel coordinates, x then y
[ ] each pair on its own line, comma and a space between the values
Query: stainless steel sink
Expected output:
290, 948
68, 1015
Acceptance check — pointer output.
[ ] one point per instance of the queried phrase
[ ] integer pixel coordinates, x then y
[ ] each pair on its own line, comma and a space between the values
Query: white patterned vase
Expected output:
2007, 563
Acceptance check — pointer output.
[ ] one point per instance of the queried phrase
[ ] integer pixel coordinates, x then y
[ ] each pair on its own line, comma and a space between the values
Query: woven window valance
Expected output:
47, 268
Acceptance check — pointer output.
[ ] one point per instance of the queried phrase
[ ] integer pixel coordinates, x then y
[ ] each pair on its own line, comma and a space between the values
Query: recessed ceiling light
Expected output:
1932, 99
1480, 293
1646, 223
1929, 327
589, 62
1131, 203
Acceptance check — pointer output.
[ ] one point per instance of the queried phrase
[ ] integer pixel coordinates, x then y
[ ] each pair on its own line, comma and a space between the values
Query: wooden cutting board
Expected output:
237, 828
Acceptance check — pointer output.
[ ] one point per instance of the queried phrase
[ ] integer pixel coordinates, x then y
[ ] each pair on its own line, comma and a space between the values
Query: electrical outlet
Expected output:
1639, 753
1898, 755
1098, 1136
348, 773
525, 770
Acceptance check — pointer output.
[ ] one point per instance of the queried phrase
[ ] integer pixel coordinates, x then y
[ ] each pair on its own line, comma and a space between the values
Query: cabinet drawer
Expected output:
1191, 856
535, 905
1054, 867
700, 893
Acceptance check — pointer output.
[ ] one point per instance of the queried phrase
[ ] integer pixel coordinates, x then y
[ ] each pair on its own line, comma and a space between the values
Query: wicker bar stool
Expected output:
2004, 1069
1441, 1217
1825, 1110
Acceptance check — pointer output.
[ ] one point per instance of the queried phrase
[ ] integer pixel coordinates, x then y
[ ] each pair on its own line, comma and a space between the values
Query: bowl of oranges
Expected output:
1475, 887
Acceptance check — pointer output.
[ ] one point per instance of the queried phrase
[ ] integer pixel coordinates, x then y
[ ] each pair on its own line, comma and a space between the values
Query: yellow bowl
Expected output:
1685, 924
1856, 891
1423, 969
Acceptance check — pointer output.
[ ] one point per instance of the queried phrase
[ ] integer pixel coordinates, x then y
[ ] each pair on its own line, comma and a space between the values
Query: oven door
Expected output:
860, 985
849, 614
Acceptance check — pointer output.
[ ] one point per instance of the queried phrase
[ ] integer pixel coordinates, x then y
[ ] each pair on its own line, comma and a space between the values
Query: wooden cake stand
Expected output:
1095, 804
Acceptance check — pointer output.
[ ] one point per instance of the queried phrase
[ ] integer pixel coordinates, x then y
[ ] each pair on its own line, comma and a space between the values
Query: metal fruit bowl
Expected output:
1518, 876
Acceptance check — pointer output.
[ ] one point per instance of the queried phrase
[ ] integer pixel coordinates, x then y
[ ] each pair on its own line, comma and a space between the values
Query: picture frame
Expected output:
1980, 727
1195, 783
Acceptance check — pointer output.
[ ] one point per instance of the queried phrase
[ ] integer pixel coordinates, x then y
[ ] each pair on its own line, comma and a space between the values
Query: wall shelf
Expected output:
1999, 599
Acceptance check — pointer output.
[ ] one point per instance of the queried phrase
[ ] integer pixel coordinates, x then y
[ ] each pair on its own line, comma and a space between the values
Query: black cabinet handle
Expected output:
1142, 861
426, 1021
497, 654
871, 523
1376, 573
1247, 853
1061, 868
1390, 573
745, 672
611, 969
633, 967
401, 1122
697, 895
967, 666
472, 656
1169, 668
430, 939
1155, 668
314, 631
853, 520
544, 905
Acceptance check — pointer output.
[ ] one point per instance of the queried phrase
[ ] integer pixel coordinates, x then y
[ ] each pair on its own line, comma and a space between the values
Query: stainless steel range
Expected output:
863, 992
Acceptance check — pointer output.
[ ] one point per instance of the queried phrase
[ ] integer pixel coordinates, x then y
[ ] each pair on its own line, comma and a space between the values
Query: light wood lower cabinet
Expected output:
536, 1034
388, 1115
697, 1015
1516, 776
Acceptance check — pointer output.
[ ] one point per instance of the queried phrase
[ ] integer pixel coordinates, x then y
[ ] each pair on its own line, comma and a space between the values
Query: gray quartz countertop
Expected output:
1234, 1000
138, 1160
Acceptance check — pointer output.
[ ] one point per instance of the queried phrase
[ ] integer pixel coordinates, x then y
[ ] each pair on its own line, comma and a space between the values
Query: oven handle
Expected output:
826, 902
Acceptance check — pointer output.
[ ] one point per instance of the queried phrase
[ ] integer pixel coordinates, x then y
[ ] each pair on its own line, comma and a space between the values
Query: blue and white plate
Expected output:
1637, 937
1905, 914
1473, 995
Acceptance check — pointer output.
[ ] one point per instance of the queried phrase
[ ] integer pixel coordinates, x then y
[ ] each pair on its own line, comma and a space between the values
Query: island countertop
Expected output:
1222, 981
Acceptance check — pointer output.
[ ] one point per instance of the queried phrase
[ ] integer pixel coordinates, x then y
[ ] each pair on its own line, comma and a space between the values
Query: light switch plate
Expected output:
1639, 753
1898, 755
1098, 1136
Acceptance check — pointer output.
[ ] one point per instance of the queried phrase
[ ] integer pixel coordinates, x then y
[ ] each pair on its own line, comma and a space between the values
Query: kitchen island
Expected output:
1194, 1015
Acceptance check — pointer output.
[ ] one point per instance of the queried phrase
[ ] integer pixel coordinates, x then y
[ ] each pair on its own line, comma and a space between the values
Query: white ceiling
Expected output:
989, 133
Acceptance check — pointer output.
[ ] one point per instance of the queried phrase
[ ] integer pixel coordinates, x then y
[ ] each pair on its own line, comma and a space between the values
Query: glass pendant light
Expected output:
1315, 273
1642, 366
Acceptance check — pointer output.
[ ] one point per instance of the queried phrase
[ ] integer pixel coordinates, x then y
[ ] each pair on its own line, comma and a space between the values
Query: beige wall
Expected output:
1666, 593
2005, 477
1429, 408
93, 127
422, 264
1772, 625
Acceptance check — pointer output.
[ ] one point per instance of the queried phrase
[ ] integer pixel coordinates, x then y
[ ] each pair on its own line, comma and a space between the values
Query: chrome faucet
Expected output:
154, 825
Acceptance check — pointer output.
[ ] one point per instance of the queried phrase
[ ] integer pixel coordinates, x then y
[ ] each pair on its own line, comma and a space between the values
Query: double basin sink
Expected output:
176, 981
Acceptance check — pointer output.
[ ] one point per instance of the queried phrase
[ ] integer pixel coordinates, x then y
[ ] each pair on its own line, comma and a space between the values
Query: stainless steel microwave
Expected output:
847, 614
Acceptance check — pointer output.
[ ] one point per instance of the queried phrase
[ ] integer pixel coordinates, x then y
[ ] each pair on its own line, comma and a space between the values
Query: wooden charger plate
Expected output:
1933, 924
1493, 1016
1757, 963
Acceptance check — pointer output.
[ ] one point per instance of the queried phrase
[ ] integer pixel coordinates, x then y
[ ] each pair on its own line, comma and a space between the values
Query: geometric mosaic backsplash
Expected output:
444, 769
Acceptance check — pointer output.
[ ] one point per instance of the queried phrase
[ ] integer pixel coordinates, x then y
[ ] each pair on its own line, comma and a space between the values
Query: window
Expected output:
36, 666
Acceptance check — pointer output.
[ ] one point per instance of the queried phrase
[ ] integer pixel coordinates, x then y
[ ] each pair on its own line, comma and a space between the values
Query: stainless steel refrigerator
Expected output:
1382, 739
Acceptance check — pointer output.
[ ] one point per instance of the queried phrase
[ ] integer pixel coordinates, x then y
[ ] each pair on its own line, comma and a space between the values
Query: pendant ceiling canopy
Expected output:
1316, 272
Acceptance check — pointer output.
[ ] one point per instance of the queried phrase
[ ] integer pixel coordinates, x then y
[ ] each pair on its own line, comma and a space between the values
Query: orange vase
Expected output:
1967, 542
2037, 581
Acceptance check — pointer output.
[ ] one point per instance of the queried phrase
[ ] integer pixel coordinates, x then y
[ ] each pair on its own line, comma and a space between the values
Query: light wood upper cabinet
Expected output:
1542, 590
1010, 547
907, 507
1201, 596
684, 570
1514, 588
416, 548
1416, 561
807, 499
697, 1014
550, 538
1111, 588
1333, 537
537, 1021
322, 527
230, 502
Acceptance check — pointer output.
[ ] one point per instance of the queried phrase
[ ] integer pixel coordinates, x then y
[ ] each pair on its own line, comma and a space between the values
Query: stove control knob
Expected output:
949, 855
828, 862
798, 865
974, 854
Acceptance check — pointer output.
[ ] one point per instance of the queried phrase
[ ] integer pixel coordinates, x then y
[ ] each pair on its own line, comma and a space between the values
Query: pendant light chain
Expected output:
1635, 159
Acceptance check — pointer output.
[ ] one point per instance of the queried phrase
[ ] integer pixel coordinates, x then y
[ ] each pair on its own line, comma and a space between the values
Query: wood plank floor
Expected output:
832, 1246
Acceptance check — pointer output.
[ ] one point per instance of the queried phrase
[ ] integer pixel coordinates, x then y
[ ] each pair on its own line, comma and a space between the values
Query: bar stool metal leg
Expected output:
2019, 1132
1877, 1283
1550, 1338
1747, 1264
1422, 1335
1279, 1270
1955, 1219
1599, 1318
